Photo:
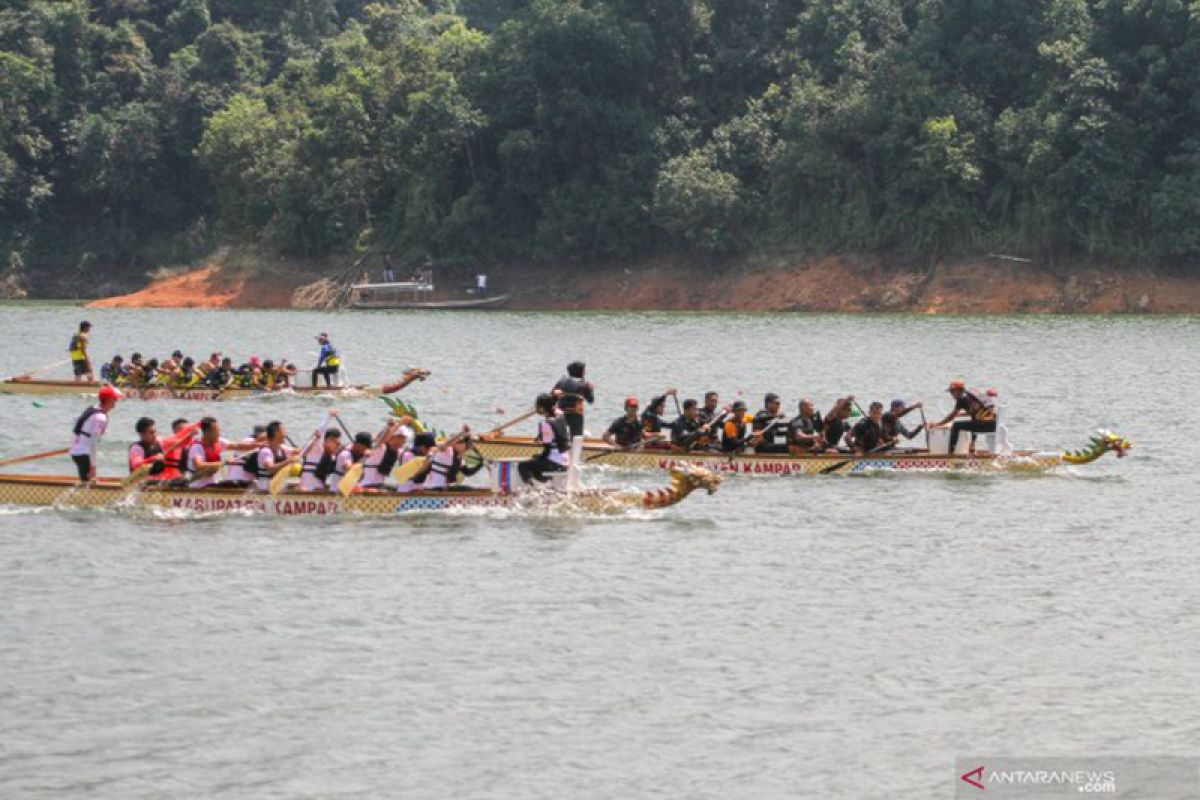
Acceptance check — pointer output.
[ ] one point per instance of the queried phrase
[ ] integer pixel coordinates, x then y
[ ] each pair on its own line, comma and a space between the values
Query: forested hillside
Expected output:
141, 132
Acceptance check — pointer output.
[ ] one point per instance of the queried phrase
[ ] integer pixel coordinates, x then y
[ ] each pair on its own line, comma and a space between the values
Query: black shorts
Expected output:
81, 368
84, 465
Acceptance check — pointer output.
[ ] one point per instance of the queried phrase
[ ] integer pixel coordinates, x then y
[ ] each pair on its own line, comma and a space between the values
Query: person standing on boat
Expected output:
81, 362
89, 429
389, 272
572, 390
328, 361
978, 406
805, 430
554, 437
626, 430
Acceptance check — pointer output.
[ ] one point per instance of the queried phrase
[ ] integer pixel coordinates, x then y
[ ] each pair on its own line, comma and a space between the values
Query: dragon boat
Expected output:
597, 452
65, 492
37, 386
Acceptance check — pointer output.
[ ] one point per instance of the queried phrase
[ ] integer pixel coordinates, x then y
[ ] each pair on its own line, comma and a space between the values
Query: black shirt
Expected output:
777, 434
625, 431
651, 422
575, 386
683, 431
806, 426
893, 428
866, 435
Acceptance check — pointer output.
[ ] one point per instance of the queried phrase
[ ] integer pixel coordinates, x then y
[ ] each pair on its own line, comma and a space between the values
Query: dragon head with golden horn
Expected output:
1102, 441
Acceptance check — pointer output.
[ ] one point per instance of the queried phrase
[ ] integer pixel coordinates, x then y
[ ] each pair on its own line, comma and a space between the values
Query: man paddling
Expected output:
733, 431
205, 456
81, 362
836, 423
709, 411
89, 429
652, 416
978, 406
867, 434
626, 430
147, 450
893, 428
770, 430
686, 427
805, 431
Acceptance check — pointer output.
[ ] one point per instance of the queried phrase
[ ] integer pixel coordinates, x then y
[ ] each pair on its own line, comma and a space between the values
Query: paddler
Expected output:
236, 474
978, 406
625, 430
81, 362
893, 428
220, 376
328, 361
205, 455
186, 377
733, 430
710, 409
147, 450
173, 458
770, 427
113, 371
379, 463
423, 444
447, 464
89, 429
867, 434
836, 423
271, 457
686, 427
320, 463
805, 430
652, 416
555, 439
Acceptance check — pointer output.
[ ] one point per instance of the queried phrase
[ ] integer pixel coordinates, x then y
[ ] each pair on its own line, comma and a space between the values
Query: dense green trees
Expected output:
137, 131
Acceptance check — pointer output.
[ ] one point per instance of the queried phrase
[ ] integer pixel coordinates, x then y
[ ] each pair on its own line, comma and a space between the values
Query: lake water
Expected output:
788, 637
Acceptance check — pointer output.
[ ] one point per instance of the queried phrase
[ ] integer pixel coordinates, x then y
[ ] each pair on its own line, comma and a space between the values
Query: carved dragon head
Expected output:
1103, 441
685, 480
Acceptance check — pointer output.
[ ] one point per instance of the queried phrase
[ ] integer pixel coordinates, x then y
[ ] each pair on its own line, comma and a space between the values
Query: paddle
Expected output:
34, 457
354, 472
498, 429
287, 469
754, 435
925, 426
413, 468
654, 437
136, 476
29, 375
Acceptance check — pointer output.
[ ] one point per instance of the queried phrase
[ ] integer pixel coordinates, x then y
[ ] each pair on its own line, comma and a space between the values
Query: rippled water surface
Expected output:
789, 637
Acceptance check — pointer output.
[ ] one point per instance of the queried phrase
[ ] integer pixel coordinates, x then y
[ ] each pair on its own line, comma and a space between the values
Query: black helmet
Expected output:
425, 439
544, 402
364, 439
575, 369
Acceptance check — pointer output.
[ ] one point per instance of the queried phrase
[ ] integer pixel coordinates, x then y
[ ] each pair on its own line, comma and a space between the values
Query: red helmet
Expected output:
957, 383
110, 393
631, 401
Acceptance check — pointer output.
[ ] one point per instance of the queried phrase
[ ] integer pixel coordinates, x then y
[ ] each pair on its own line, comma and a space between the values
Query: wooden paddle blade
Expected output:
280, 478
350, 479
413, 468
137, 476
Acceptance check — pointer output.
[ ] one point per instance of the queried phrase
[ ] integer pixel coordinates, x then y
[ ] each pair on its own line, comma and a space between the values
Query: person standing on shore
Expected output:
89, 429
81, 362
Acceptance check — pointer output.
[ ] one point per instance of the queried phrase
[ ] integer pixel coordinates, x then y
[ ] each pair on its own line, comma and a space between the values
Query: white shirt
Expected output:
91, 431
444, 459
545, 435
235, 470
196, 454
266, 460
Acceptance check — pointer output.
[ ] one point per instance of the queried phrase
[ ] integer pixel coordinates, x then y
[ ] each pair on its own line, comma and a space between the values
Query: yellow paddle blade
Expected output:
350, 479
280, 479
137, 476
406, 473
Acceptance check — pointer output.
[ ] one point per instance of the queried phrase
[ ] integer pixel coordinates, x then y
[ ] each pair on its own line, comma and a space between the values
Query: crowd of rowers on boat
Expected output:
195, 453
733, 428
182, 372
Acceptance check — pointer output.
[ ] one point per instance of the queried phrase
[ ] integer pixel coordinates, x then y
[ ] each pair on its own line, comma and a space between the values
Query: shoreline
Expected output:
776, 284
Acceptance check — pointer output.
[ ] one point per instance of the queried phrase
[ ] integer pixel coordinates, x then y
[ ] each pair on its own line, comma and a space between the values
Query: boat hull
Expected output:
597, 453
36, 387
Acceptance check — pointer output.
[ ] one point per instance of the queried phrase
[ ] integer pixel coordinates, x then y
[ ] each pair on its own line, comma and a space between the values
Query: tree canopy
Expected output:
134, 132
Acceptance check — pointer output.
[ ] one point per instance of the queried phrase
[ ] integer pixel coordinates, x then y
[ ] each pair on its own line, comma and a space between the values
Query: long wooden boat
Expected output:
63, 491
35, 386
598, 453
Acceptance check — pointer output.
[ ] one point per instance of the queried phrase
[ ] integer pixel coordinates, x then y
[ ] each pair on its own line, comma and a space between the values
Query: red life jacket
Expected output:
212, 452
